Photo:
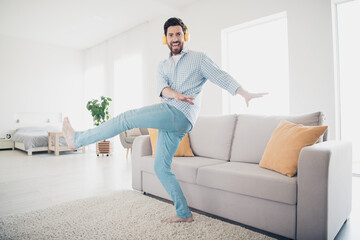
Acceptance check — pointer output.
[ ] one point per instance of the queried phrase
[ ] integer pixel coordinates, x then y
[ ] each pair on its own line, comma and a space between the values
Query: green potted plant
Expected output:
100, 113
99, 109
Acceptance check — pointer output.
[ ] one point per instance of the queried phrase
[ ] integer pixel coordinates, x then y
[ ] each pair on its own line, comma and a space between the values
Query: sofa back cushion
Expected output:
212, 136
253, 132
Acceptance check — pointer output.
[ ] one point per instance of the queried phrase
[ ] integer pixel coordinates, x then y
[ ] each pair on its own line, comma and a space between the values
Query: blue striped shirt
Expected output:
188, 76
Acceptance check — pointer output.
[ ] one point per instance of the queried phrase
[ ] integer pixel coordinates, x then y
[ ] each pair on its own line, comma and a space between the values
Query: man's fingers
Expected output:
185, 98
188, 101
257, 95
261, 94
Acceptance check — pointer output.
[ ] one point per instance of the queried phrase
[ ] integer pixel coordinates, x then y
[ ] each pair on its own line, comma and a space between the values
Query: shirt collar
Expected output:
183, 52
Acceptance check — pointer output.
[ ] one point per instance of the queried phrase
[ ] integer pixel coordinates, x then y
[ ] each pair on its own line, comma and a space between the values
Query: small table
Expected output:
6, 143
56, 148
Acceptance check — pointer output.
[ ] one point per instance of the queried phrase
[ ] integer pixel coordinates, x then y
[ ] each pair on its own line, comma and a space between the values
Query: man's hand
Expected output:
169, 93
184, 98
249, 96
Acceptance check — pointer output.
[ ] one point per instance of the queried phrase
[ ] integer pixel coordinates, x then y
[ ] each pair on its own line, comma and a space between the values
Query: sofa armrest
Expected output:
324, 189
141, 147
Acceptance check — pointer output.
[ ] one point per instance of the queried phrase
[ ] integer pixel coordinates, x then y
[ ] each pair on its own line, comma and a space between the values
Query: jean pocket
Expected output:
180, 122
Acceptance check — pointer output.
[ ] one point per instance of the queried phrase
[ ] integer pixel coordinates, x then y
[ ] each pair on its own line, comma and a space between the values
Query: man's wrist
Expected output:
241, 91
169, 93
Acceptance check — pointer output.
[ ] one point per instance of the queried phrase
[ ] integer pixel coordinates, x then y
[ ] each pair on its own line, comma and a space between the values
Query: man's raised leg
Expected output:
158, 116
68, 133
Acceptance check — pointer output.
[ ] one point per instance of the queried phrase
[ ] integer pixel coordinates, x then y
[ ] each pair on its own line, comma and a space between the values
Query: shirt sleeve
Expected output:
161, 81
221, 78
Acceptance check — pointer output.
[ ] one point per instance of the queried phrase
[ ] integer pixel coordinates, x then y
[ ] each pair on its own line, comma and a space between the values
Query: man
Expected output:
179, 81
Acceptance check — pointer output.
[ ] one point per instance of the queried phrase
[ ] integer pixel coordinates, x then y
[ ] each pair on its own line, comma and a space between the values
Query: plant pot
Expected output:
103, 148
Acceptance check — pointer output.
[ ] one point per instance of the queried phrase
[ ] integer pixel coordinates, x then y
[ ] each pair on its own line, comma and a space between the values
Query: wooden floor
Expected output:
41, 180
34, 182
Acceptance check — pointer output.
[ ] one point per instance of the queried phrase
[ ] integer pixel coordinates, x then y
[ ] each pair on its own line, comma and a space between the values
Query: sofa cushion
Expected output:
184, 149
212, 136
185, 168
249, 179
283, 149
253, 132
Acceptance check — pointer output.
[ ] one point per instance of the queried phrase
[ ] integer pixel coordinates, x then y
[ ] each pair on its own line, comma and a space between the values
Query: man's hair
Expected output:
174, 22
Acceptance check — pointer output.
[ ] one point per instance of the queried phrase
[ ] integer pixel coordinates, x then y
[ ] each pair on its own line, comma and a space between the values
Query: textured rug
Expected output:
120, 215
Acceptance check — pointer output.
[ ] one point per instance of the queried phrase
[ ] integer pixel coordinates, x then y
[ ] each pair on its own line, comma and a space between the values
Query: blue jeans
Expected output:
172, 125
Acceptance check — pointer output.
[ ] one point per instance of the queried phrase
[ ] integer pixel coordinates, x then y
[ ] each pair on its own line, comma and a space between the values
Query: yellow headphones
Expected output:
186, 36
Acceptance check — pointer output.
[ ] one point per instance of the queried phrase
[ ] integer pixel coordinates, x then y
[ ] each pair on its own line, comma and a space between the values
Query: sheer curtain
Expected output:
115, 69
128, 76
94, 77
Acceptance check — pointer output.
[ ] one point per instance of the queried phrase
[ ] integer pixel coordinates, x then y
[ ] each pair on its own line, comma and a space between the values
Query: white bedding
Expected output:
35, 137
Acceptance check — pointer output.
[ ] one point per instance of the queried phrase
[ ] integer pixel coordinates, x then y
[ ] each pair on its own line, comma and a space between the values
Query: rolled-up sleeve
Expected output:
161, 82
221, 78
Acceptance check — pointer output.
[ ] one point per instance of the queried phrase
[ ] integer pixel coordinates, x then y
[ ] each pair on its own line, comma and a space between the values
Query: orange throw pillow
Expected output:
283, 149
184, 149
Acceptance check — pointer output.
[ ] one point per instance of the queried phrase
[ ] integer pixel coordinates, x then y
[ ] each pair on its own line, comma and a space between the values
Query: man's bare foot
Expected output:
68, 133
176, 219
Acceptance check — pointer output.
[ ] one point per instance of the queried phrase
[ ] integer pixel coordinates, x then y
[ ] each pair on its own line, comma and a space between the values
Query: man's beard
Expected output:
176, 49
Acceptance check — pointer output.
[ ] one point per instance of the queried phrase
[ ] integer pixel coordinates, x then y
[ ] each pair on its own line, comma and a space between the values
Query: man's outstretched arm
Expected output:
248, 95
221, 78
170, 93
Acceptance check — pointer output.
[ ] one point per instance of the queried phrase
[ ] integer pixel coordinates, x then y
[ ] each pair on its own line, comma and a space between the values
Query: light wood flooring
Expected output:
42, 180
34, 182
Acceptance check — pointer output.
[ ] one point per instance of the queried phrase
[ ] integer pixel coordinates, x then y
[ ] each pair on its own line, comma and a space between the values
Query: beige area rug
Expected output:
120, 215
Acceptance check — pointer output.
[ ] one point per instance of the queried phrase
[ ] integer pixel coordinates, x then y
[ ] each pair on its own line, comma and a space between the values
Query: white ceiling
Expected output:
79, 23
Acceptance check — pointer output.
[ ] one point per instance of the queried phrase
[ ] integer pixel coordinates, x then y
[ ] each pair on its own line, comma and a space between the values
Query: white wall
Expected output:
310, 49
39, 78
48, 68
311, 67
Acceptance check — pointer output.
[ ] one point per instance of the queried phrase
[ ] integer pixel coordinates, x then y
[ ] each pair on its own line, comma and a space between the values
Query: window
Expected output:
128, 82
348, 19
256, 54
94, 82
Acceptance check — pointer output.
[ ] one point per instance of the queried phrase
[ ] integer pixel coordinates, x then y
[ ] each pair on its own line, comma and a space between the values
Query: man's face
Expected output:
175, 39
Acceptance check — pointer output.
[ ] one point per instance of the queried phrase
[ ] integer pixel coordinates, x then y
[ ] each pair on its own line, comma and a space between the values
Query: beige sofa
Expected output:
224, 177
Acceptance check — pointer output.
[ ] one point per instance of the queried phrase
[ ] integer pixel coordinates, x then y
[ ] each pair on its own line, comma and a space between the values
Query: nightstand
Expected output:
6, 143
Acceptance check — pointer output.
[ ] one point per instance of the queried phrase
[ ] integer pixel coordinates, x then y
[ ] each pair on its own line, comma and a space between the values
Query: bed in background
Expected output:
34, 139
32, 130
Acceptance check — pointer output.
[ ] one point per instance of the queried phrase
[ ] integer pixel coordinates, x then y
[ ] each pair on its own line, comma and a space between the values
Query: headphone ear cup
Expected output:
164, 41
187, 37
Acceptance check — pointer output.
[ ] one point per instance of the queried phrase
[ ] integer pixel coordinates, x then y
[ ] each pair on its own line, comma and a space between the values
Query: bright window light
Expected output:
348, 19
94, 82
128, 79
256, 55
